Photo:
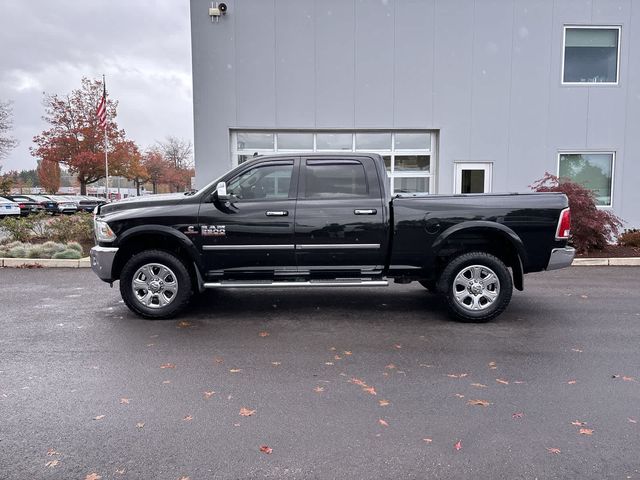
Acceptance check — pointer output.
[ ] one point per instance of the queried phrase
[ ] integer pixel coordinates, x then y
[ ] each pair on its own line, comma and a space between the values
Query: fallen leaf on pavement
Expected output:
391, 366
358, 382
555, 451
576, 350
585, 431
92, 476
500, 380
428, 440
218, 359
184, 478
584, 296
482, 403
120, 471
383, 403
51, 463
167, 365
459, 395
370, 390
628, 379
578, 423
458, 445
337, 357
457, 375
184, 324
318, 389
99, 417
209, 394
479, 385
263, 334
397, 345
518, 415
333, 349
166, 382
266, 449
51, 452
124, 401
140, 425
347, 352
188, 418
632, 420
235, 370
572, 382
492, 365
328, 363
245, 412
383, 423
275, 363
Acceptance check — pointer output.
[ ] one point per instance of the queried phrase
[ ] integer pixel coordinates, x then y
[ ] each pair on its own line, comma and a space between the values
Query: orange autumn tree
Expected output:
49, 176
74, 137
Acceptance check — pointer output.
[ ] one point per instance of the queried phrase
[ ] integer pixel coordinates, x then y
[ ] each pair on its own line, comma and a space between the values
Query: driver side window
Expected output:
263, 182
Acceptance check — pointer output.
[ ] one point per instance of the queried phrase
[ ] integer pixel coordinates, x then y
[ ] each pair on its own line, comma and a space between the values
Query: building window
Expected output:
592, 170
409, 156
591, 55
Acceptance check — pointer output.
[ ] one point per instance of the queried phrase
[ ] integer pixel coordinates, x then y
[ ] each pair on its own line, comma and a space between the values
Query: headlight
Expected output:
103, 231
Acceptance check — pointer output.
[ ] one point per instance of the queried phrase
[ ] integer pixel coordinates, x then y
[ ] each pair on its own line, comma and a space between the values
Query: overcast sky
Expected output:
142, 46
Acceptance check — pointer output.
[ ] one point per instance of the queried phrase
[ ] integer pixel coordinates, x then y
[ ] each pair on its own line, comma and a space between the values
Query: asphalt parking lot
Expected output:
338, 383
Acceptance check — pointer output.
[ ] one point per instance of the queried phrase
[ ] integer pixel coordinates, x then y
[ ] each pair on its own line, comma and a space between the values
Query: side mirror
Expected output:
221, 192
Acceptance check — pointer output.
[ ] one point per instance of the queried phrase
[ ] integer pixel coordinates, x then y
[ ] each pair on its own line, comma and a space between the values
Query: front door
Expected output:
252, 235
340, 218
473, 177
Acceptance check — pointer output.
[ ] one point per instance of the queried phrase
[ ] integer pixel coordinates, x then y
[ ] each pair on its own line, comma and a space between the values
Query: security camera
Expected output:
223, 8
216, 10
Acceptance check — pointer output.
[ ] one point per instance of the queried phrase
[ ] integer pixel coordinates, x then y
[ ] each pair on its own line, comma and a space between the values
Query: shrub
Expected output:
630, 238
78, 228
17, 252
18, 229
75, 246
50, 248
35, 251
69, 253
591, 229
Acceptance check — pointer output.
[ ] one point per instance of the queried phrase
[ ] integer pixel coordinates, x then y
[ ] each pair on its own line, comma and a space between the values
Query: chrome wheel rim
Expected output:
154, 285
476, 288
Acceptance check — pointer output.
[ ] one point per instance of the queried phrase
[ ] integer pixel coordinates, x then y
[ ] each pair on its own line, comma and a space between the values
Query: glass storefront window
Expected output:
334, 141
295, 141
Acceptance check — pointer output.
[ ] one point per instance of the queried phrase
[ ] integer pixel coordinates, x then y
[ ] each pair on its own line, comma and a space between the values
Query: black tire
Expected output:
500, 292
176, 268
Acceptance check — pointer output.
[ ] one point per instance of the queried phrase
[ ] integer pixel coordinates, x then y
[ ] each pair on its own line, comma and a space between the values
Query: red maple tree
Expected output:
49, 176
74, 137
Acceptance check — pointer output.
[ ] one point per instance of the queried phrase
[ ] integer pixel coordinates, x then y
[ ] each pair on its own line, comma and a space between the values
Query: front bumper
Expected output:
561, 258
102, 261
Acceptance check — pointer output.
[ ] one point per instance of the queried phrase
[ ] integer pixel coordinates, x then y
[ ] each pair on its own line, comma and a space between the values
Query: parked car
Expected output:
87, 203
8, 208
49, 206
65, 205
327, 220
27, 204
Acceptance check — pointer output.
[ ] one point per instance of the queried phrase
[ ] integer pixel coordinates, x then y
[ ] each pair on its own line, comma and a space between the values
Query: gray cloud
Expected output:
142, 46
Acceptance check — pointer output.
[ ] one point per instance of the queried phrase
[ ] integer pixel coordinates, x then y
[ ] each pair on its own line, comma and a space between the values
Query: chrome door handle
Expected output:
370, 211
277, 213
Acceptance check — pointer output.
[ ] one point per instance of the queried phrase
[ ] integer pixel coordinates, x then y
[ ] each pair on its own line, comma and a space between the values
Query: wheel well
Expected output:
478, 240
152, 241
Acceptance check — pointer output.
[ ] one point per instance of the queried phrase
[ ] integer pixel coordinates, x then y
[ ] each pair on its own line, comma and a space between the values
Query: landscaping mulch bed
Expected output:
612, 251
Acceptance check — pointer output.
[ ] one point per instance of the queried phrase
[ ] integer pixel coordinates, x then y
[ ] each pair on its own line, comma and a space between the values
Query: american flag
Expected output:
101, 111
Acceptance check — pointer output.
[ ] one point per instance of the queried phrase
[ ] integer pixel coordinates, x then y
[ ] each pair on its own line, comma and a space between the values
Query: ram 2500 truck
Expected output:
327, 220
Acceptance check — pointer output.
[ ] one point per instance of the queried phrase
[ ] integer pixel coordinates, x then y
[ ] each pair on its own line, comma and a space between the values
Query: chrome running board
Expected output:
317, 283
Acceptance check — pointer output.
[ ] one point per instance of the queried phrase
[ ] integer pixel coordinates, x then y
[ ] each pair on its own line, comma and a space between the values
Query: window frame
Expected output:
293, 191
592, 27
432, 151
592, 152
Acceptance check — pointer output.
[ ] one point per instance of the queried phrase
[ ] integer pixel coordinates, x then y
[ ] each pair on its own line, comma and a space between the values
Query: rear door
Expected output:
252, 236
340, 218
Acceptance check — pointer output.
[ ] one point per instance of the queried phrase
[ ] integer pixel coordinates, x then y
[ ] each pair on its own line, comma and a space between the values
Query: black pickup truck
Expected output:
327, 220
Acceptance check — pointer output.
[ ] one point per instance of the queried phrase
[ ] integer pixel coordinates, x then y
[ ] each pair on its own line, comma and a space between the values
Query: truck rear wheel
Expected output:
155, 284
477, 287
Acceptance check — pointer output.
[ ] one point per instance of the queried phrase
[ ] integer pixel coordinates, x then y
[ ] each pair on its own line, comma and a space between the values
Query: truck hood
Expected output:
144, 201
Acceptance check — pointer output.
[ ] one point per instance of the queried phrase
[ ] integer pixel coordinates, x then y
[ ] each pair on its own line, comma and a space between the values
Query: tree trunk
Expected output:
83, 188
138, 188
155, 187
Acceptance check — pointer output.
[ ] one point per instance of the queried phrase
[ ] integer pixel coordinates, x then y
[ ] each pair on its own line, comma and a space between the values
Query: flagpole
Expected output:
106, 155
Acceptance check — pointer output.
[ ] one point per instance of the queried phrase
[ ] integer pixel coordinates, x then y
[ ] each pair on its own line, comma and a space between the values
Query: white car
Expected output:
7, 207
65, 204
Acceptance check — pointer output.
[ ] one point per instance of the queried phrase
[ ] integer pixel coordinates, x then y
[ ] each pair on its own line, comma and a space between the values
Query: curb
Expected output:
45, 262
606, 262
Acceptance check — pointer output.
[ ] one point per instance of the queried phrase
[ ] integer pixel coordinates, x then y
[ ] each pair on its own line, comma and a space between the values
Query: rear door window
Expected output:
326, 179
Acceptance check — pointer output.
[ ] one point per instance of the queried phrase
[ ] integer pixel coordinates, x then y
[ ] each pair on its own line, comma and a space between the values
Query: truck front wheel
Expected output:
155, 284
477, 287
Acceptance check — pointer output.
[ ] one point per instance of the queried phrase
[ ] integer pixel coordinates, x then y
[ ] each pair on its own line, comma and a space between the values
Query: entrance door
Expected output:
473, 177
